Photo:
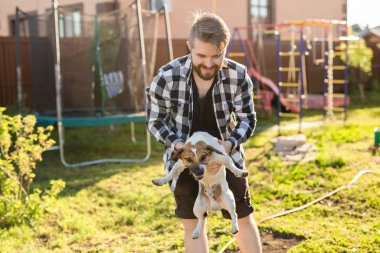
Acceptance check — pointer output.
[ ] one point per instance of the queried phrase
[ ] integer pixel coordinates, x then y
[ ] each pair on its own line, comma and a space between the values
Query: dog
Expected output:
199, 151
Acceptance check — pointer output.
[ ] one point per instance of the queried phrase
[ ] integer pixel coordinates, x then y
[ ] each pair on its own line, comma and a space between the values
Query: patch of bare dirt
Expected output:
273, 243
276, 243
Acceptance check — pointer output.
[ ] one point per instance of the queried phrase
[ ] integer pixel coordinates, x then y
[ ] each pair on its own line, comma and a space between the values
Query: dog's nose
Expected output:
198, 170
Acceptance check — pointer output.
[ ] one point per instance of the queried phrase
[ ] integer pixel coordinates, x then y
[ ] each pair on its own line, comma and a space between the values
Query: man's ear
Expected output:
212, 149
188, 45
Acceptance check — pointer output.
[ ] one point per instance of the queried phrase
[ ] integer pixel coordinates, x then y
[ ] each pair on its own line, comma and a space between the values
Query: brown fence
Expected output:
40, 94
39, 91
8, 83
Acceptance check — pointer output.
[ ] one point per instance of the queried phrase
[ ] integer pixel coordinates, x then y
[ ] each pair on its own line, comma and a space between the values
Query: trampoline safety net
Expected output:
100, 61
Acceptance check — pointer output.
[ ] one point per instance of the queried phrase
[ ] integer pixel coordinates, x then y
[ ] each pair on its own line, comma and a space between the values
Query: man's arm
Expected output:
245, 113
158, 111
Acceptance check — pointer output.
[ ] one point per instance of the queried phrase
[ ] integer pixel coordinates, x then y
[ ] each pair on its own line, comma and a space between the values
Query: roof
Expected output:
375, 31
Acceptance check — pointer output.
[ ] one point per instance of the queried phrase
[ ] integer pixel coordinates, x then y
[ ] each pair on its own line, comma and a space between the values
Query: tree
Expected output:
360, 63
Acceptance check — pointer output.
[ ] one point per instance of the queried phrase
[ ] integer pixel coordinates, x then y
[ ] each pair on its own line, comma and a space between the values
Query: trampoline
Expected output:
100, 76
92, 121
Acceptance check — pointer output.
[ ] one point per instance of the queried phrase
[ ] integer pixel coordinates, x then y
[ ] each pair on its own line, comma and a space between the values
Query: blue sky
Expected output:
363, 12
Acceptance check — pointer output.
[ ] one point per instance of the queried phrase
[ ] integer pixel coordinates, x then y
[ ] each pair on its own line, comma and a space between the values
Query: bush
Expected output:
21, 146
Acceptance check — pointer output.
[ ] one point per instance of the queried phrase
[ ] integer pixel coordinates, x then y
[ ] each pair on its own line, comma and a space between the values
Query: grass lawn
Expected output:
116, 208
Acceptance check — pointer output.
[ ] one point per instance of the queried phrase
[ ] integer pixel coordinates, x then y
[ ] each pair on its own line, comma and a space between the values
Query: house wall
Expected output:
234, 12
40, 6
288, 10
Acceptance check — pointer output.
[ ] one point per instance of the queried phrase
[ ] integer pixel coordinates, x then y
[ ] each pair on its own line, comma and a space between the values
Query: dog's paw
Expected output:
195, 235
157, 182
235, 229
244, 173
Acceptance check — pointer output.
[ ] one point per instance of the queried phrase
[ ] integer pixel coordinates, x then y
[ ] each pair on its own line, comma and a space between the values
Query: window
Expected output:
27, 24
102, 8
70, 24
23, 27
70, 19
158, 5
260, 12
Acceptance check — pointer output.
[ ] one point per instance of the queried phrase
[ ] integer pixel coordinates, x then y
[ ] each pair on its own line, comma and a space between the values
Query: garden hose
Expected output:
361, 173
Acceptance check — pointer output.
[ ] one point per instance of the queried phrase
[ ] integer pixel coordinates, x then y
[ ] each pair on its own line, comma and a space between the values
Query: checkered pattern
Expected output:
170, 106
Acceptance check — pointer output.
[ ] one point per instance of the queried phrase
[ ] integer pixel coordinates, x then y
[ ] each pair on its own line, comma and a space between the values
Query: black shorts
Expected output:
186, 192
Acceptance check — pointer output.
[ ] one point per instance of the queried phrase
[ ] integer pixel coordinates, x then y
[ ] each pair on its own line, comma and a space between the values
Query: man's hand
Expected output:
227, 146
179, 145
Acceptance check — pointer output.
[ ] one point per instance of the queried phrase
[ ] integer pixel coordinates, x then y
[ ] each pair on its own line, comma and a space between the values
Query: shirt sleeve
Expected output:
245, 113
158, 111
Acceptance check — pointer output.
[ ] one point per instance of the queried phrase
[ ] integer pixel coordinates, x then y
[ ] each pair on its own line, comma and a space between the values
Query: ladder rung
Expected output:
282, 69
289, 84
270, 31
339, 48
337, 95
289, 39
288, 114
336, 67
338, 81
319, 61
289, 53
236, 54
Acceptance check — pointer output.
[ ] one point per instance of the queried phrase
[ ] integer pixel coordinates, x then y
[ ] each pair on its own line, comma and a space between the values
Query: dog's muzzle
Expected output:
198, 171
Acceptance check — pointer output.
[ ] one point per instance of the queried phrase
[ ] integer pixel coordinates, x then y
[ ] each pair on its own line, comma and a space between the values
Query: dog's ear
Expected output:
176, 153
212, 149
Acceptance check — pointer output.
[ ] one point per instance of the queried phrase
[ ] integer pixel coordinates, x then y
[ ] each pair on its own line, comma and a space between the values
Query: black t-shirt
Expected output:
203, 112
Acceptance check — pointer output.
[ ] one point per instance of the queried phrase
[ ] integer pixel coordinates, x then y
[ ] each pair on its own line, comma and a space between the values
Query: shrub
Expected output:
21, 146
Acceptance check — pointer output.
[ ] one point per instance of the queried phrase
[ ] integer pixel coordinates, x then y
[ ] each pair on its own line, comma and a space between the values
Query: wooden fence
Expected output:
8, 82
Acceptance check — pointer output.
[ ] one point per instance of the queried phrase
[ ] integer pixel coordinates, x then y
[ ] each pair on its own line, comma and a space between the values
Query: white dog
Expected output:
199, 151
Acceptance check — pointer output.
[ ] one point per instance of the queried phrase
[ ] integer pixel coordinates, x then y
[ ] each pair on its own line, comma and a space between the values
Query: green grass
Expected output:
116, 208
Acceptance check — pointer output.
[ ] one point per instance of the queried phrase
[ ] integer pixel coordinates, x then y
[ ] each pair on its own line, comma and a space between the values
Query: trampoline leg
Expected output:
133, 137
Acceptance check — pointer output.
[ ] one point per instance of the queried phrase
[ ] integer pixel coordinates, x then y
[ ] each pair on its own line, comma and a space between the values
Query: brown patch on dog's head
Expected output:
203, 152
195, 157
185, 154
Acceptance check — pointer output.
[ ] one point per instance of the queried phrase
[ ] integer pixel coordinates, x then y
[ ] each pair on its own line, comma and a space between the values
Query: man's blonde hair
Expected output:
209, 27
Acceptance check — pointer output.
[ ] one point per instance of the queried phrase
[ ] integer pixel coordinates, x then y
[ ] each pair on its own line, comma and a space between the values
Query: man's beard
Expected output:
209, 75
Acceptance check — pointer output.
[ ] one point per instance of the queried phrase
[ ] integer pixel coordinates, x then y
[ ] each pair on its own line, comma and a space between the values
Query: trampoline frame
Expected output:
94, 121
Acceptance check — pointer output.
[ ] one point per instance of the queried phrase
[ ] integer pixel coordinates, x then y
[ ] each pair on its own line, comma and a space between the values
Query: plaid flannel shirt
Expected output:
170, 106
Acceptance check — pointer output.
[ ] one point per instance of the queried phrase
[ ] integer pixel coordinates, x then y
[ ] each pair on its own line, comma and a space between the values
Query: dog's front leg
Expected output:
176, 170
227, 161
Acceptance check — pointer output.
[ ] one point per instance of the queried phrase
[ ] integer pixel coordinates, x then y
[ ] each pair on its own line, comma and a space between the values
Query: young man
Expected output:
204, 91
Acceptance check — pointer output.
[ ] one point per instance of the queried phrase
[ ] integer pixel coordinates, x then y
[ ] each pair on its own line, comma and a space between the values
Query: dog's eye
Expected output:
188, 159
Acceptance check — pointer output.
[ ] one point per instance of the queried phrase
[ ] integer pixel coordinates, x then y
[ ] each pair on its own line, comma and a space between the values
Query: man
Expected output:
204, 91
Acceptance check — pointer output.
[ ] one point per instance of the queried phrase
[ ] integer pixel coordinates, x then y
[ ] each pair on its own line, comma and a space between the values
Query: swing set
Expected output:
298, 44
